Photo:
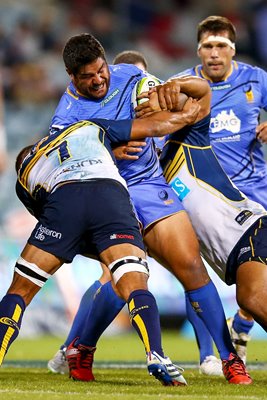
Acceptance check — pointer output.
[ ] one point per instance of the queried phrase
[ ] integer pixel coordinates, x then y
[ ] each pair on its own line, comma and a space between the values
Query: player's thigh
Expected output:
173, 243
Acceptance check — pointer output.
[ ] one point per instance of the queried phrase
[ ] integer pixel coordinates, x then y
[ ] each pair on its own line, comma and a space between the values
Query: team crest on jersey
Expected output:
243, 216
180, 188
225, 121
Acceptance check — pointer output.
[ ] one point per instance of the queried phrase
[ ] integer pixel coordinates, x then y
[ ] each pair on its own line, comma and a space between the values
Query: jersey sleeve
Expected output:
117, 130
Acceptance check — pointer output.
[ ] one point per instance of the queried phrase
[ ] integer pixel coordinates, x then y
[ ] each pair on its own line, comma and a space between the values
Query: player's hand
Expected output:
191, 110
261, 132
146, 108
168, 95
122, 152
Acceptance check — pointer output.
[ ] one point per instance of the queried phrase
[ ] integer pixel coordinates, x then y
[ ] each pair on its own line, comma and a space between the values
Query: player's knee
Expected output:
128, 264
31, 272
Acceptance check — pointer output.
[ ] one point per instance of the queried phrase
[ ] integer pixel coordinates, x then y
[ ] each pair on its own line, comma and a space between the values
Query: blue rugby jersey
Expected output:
115, 105
235, 107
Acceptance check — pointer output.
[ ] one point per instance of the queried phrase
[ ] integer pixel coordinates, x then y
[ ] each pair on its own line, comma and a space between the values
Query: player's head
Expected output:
131, 57
216, 46
85, 62
20, 157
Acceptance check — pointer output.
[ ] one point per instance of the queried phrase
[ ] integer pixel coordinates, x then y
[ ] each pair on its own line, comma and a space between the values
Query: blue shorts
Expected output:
86, 218
154, 200
252, 246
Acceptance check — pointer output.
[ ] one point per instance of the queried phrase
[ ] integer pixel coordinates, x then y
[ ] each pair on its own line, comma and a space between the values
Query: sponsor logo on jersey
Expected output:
115, 236
243, 216
163, 195
221, 87
10, 322
180, 188
79, 165
244, 250
232, 138
225, 121
43, 231
110, 97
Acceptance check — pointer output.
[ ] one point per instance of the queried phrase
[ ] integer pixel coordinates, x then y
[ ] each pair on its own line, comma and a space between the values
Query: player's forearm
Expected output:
162, 123
192, 86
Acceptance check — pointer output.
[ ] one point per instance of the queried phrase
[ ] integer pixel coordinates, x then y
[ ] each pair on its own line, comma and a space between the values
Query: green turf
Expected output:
123, 383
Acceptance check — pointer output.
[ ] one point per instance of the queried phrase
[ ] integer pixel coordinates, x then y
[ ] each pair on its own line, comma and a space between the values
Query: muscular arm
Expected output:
168, 95
162, 123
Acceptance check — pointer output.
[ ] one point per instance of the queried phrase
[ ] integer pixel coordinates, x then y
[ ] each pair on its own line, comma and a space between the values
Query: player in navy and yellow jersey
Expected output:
167, 229
230, 227
239, 93
70, 182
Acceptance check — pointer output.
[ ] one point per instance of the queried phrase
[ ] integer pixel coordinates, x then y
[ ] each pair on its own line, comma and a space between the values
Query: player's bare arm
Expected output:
261, 132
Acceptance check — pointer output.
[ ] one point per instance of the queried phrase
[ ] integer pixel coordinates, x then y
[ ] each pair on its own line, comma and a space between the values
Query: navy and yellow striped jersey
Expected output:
219, 212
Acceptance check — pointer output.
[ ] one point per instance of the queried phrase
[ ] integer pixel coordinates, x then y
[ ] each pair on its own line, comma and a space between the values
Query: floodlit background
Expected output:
32, 35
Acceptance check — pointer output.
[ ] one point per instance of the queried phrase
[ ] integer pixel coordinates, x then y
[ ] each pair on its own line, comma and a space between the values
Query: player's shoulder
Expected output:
125, 70
186, 72
249, 68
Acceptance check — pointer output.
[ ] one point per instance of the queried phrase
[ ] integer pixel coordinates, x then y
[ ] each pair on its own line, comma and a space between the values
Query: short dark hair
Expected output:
20, 157
216, 24
130, 57
81, 50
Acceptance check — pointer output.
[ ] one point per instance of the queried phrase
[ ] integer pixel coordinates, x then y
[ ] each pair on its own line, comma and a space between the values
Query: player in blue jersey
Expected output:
129, 150
69, 181
105, 91
239, 93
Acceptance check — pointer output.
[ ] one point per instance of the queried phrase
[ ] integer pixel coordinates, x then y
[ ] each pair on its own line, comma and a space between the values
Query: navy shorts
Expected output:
86, 218
252, 246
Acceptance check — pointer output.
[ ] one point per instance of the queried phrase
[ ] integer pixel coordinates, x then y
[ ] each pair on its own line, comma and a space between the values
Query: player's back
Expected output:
219, 212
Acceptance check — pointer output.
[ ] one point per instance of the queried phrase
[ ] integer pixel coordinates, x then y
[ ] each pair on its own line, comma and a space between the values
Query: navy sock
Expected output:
242, 325
105, 308
208, 306
204, 340
144, 317
12, 308
83, 311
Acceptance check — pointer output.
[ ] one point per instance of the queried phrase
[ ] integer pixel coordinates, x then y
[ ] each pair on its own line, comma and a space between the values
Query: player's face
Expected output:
93, 79
216, 56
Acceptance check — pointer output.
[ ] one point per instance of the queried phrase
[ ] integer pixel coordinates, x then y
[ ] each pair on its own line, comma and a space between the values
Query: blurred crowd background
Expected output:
32, 36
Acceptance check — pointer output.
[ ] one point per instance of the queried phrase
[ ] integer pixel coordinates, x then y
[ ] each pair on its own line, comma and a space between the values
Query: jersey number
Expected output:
63, 151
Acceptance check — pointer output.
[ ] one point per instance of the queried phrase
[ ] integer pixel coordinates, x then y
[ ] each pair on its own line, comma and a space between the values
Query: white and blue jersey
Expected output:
235, 108
81, 152
115, 105
71, 183
219, 212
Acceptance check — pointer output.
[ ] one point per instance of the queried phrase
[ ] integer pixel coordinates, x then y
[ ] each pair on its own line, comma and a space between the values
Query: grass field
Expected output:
121, 373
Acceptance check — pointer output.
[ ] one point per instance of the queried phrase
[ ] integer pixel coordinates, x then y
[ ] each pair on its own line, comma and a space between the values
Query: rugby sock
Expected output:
12, 308
144, 317
81, 315
105, 308
206, 302
204, 340
242, 325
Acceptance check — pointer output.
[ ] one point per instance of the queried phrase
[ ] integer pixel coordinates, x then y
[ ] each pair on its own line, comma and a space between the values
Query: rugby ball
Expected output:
143, 86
